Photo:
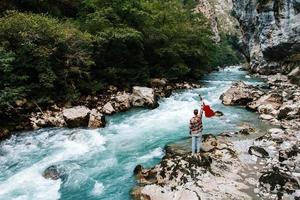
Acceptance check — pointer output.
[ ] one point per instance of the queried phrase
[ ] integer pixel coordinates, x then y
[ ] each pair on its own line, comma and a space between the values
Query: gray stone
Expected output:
247, 131
271, 34
258, 151
278, 181
219, 113
77, 116
108, 109
157, 82
272, 100
294, 75
122, 101
55, 172
143, 97
97, 120
240, 94
266, 117
289, 110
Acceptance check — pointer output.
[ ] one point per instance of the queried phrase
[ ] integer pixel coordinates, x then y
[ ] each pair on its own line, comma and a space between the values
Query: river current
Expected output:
99, 163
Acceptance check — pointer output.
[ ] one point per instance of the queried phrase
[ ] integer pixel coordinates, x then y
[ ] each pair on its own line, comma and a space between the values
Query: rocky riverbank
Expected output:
220, 171
89, 111
213, 174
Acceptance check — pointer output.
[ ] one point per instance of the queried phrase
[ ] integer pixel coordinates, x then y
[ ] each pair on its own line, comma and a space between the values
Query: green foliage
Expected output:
120, 42
47, 55
58, 8
227, 52
9, 91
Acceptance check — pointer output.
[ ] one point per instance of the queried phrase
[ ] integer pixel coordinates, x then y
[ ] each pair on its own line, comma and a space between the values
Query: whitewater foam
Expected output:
28, 182
156, 153
98, 189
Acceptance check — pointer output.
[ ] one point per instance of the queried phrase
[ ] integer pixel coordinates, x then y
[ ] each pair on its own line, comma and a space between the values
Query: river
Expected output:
99, 163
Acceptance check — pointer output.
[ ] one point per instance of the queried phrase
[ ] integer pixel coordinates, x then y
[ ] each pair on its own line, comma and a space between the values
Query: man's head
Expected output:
196, 112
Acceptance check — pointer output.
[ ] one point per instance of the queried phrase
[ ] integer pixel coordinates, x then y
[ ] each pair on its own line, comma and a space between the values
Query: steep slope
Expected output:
219, 14
271, 33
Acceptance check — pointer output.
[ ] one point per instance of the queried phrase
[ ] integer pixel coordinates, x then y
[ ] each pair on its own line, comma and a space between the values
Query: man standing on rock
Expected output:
196, 128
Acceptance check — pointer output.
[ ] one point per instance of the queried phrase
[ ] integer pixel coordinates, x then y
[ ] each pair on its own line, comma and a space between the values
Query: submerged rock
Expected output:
77, 116
55, 172
219, 113
240, 94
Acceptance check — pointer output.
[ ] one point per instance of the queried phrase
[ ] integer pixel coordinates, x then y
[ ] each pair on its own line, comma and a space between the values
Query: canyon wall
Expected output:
270, 34
218, 13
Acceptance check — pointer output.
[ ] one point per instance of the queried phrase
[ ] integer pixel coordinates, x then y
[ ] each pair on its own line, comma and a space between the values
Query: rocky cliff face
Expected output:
218, 13
271, 33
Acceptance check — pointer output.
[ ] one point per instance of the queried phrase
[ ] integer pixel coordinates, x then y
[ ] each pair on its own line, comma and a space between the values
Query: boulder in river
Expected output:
77, 116
4, 134
258, 151
121, 101
240, 94
55, 172
219, 113
143, 97
96, 120
108, 109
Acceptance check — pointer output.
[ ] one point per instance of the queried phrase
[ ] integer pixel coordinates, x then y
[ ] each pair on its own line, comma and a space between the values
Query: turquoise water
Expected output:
99, 163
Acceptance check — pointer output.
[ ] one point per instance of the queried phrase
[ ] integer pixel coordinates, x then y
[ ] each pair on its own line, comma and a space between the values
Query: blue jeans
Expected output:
196, 143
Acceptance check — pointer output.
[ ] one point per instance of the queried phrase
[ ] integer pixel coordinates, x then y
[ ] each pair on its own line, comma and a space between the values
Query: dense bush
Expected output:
120, 42
227, 52
58, 8
43, 59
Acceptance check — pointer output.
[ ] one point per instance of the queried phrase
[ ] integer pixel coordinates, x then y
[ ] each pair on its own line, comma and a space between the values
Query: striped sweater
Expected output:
196, 124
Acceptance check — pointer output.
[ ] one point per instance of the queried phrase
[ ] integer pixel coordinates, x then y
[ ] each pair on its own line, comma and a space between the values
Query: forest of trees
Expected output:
59, 50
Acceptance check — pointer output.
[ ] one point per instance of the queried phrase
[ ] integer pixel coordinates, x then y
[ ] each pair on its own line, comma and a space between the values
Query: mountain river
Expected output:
99, 163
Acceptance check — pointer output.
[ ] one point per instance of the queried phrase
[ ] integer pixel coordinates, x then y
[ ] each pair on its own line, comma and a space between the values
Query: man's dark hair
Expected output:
196, 111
